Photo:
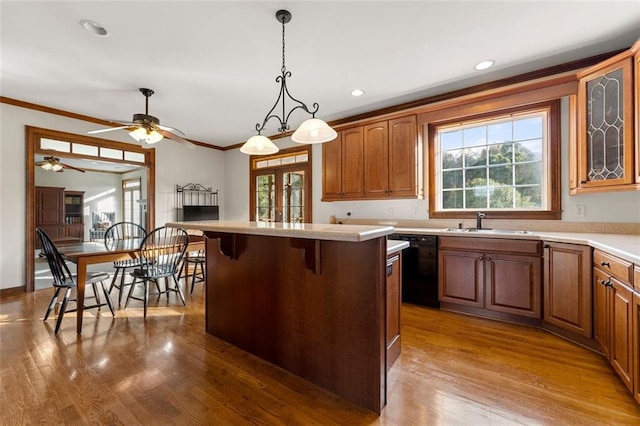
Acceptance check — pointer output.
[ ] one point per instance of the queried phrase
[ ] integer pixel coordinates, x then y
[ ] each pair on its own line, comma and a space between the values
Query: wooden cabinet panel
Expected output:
352, 163
636, 81
49, 206
376, 157
567, 287
332, 168
621, 354
635, 350
612, 265
524, 247
460, 277
376, 161
513, 284
75, 231
394, 301
403, 157
601, 311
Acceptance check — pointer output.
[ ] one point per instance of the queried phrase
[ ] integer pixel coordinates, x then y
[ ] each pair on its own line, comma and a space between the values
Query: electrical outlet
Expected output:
391, 211
415, 211
579, 210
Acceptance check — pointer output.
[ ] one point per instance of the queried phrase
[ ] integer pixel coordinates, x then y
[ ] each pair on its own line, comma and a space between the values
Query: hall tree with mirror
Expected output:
118, 183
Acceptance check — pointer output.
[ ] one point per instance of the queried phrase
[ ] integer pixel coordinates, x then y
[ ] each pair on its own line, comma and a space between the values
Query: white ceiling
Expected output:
213, 64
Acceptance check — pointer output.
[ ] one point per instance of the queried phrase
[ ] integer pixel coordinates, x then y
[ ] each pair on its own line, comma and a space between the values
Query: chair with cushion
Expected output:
160, 255
63, 278
115, 233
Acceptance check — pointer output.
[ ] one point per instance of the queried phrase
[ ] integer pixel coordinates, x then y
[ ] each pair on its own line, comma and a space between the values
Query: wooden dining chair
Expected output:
63, 278
160, 255
192, 263
117, 232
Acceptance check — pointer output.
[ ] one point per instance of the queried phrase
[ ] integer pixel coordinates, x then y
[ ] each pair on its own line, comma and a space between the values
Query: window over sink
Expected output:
504, 162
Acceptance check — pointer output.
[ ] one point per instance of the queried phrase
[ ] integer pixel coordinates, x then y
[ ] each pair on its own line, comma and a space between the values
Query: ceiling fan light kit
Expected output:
53, 164
311, 131
146, 128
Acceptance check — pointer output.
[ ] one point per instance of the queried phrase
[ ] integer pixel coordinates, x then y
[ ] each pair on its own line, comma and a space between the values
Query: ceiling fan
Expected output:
146, 128
53, 164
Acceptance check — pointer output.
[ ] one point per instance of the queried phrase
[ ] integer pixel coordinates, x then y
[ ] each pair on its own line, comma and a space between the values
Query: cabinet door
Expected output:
75, 231
567, 287
376, 160
635, 350
332, 169
606, 123
352, 163
394, 291
601, 310
49, 206
403, 153
636, 60
621, 354
513, 284
460, 277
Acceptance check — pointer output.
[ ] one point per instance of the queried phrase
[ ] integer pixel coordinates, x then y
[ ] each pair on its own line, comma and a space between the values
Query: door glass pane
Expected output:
265, 198
293, 197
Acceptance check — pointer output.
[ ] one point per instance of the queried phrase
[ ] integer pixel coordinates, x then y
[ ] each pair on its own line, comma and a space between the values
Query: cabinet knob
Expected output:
546, 246
607, 283
582, 182
603, 263
488, 258
481, 258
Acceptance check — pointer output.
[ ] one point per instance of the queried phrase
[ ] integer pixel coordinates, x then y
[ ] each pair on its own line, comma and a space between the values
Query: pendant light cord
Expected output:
284, 68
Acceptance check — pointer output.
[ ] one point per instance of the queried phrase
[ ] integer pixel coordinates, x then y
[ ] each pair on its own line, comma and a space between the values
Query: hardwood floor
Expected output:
453, 370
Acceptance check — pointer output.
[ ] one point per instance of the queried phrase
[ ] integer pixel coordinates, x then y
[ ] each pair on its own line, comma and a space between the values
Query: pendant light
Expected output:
311, 131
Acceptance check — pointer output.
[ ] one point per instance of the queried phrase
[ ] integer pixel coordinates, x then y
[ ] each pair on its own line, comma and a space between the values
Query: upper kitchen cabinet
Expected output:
342, 166
384, 155
636, 71
604, 158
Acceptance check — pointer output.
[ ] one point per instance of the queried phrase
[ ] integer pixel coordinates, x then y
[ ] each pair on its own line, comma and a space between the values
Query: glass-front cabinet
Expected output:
606, 126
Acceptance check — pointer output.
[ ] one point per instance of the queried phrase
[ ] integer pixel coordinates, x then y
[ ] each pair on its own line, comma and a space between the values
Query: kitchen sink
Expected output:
487, 231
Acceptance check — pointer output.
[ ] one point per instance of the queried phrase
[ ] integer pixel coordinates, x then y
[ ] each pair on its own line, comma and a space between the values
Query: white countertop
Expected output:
316, 231
626, 247
394, 246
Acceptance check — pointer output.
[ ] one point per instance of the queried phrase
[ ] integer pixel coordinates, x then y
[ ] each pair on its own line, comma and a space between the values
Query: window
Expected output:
504, 162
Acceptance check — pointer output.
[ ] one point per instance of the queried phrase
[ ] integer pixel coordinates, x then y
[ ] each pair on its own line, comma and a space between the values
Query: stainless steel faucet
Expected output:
479, 217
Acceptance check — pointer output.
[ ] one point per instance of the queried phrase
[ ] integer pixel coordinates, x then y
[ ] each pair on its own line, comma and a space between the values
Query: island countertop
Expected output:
317, 231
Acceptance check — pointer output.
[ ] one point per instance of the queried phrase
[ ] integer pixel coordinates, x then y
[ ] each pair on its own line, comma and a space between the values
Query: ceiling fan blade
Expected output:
172, 130
177, 138
109, 129
66, 166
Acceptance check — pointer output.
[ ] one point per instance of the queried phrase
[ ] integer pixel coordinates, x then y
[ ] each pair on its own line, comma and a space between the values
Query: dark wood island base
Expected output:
313, 307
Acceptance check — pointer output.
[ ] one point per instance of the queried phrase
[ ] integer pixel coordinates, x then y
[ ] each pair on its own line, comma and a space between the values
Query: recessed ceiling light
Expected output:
93, 27
356, 92
484, 65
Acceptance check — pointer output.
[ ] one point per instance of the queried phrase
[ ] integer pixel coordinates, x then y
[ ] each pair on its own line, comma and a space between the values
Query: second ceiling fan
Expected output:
146, 128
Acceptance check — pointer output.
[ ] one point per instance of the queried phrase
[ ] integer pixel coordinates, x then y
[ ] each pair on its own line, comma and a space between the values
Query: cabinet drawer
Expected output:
503, 245
618, 268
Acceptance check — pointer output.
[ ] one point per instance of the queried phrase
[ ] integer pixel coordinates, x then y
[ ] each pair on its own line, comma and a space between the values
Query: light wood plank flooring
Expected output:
454, 370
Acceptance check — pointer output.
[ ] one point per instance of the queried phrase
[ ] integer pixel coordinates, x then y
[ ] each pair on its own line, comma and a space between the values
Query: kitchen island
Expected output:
309, 298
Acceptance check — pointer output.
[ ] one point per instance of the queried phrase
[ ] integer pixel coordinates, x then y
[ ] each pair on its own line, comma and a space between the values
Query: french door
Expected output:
281, 189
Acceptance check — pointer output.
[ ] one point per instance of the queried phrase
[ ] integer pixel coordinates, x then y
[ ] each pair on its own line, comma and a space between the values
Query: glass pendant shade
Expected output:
142, 135
259, 145
314, 130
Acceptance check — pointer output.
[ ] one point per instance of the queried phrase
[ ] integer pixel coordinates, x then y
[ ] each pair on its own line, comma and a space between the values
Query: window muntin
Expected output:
494, 164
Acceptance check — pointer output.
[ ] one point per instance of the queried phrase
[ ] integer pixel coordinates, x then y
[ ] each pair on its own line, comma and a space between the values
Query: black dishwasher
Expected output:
419, 269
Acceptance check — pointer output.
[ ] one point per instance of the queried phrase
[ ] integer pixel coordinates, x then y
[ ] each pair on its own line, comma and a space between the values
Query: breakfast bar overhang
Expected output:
309, 298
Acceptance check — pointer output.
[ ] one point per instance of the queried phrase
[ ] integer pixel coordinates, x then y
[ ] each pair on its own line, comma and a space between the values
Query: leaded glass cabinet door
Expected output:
606, 123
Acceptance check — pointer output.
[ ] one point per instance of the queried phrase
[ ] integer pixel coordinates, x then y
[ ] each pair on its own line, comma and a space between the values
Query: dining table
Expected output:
88, 253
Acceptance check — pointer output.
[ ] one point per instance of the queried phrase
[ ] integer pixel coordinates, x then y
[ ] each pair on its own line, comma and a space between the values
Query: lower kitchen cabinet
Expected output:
567, 287
613, 313
492, 274
635, 350
394, 301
